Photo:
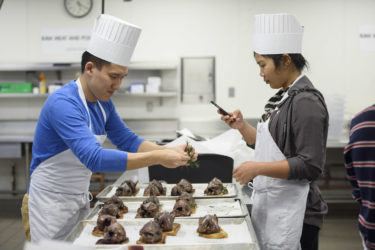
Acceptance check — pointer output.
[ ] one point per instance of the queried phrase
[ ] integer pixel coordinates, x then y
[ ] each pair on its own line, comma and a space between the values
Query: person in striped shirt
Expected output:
359, 156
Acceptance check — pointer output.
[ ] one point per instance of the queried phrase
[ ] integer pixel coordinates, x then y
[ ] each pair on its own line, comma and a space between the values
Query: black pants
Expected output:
310, 237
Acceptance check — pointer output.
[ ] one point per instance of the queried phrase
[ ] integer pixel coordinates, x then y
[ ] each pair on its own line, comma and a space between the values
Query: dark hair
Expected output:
298, 60
87, 57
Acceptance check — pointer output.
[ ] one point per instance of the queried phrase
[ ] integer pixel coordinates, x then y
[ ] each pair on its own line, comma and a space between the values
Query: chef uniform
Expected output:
278, 204
58, 192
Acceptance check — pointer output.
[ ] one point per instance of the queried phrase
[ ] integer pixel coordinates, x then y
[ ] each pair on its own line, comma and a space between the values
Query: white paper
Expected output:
222, 207
199, 191
229, 143
367, 37
64, 40
236, 228
55, 245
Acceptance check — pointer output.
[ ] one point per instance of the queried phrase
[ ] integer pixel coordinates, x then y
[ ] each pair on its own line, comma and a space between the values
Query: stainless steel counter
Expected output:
11, 147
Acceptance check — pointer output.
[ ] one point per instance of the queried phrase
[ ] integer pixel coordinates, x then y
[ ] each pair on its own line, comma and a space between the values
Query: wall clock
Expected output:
78, 8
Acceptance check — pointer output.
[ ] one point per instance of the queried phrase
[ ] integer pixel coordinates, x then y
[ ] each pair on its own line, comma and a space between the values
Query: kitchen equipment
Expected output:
210, 166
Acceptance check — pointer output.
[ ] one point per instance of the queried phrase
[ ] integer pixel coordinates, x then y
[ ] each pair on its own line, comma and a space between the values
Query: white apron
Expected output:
278, 204
54, 213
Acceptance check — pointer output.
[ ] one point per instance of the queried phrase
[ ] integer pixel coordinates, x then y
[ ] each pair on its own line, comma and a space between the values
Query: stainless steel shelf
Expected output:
30, 95
38, 66
154, 65
23, 95
160, 94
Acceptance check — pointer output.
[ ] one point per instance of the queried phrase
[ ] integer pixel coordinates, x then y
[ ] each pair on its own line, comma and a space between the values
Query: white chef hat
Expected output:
113, 39
277, 34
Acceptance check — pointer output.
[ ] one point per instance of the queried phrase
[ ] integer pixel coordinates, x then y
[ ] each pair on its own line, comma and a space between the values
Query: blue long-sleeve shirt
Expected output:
359, 156
64, 124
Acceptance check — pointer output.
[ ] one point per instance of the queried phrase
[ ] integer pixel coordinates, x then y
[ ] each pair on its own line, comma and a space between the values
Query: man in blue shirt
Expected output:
73, 124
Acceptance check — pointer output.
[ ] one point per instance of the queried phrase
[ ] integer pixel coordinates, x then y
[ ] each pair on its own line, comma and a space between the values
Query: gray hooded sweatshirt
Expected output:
300, 130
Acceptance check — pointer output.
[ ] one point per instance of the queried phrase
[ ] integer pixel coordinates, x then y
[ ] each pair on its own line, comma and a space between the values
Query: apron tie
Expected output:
250, 185
90, 196
87, 197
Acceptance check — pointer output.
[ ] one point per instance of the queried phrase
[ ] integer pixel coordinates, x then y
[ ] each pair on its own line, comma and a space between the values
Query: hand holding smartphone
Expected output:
220, 108
222, 111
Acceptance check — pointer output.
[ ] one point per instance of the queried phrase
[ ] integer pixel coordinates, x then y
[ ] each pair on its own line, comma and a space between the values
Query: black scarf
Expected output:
272, 103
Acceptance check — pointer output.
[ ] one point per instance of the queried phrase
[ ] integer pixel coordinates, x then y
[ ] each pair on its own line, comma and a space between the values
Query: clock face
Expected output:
78, 8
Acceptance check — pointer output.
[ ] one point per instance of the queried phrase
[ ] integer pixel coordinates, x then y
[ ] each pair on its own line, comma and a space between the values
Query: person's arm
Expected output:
147, 146
236, 121
166, 157
250, 169
71, 125
140, 152
308, 127
349, 158
309, 130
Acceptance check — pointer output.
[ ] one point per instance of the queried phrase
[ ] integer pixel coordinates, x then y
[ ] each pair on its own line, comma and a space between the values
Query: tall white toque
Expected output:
277, 34
113, 39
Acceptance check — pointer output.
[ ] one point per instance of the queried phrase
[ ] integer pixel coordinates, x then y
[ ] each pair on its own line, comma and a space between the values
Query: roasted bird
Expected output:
189, 198
181, 208
114, 234
124, 190
147, 210
208, 224
165, 221
215, 187
186, 185
153, 199
103, 221
151, 233
132, 185
177, 190
111, 209
209, 227
117, 202
154, 188
182, 186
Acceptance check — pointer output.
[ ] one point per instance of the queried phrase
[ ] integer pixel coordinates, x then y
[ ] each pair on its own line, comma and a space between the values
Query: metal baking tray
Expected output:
239, 236
110, 190
225, 207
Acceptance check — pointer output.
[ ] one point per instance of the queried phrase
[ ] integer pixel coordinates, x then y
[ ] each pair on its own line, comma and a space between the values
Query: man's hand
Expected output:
245, 172
171, 158
181, 149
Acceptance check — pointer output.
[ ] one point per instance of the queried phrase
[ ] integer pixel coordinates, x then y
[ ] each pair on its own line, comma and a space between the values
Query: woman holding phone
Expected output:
290, 141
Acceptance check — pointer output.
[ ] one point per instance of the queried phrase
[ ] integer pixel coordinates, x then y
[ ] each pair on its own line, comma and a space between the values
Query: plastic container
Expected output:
42, 84
16, 87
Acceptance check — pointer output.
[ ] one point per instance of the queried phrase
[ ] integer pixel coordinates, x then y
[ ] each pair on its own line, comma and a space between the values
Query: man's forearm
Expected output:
147, 146
143, 159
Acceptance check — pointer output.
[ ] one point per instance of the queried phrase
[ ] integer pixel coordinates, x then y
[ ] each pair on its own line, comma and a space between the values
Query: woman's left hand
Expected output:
245, 172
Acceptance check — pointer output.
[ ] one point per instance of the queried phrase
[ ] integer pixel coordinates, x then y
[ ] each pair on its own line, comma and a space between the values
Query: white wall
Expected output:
220, 28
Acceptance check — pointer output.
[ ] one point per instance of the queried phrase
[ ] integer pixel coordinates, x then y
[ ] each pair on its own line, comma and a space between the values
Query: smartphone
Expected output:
221, 109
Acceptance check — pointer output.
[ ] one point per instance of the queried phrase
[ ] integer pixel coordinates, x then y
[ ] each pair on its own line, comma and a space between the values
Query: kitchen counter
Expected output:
11, 146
